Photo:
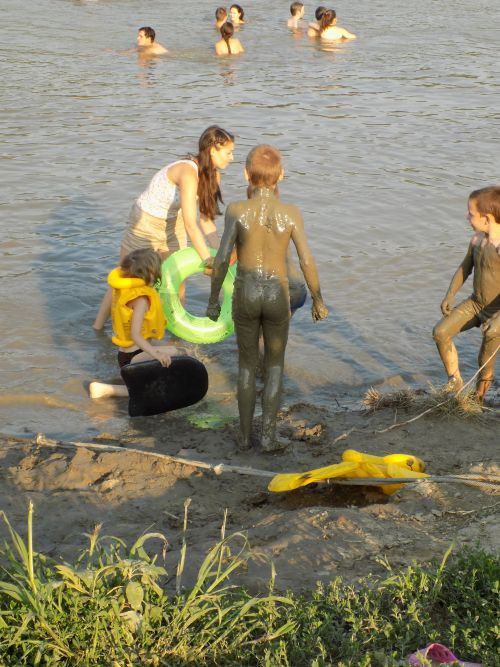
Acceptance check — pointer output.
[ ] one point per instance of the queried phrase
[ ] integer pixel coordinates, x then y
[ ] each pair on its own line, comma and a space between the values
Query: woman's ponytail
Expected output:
227, 31
326, 20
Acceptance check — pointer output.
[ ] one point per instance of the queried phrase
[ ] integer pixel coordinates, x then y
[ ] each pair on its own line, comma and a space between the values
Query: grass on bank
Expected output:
464, 405
109, 608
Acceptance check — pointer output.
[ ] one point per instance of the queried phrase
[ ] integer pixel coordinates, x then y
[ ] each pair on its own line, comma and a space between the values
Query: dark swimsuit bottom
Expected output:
124, 358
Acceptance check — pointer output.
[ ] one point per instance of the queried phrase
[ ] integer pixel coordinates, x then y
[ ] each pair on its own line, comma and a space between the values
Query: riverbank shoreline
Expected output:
311, 534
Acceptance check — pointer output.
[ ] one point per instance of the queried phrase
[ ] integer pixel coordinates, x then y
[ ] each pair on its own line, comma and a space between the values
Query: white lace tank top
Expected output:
162, 198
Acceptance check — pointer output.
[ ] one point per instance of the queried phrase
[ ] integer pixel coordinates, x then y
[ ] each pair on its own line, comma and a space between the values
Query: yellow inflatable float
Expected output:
355, 465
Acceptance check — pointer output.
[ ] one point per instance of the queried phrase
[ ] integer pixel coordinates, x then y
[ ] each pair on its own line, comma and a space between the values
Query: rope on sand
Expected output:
483, 480
218, 468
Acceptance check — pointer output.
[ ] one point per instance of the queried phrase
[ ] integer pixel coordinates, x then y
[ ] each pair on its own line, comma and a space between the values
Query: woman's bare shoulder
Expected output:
184, 170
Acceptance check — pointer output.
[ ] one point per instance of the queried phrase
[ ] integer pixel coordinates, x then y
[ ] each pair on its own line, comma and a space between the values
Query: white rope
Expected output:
487, 480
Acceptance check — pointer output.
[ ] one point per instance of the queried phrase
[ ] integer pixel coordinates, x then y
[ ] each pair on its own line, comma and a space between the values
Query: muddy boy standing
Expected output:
261, 228
482, 308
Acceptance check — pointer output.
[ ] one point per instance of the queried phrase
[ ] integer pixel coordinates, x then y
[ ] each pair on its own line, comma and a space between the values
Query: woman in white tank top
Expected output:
166, 213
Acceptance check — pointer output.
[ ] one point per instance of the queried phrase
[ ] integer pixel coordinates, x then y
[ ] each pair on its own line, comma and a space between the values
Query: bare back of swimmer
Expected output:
261, 228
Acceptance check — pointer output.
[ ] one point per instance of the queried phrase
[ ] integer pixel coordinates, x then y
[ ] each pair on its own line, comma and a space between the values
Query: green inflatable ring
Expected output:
174, 271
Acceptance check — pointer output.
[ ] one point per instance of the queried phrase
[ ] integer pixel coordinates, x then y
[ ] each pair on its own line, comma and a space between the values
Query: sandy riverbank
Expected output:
311, 534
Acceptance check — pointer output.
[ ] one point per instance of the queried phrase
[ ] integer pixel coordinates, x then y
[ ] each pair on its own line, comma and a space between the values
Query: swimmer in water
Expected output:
313, 27
330, 31
261, 228
146, 44
297, 11
236, 15
228, 45
482, 308
220, 17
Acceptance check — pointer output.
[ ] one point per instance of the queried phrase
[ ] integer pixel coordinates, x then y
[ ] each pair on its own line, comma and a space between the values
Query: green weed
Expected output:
110, 608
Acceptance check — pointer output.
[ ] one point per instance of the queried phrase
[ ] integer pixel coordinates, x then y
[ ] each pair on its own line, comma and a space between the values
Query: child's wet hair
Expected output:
148, 32
144, 263
327, 18
220, 13
295, 8
487, 201
264, 166
319, 12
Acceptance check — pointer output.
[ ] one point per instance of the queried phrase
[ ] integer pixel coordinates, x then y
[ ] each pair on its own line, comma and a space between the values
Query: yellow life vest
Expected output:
124, 290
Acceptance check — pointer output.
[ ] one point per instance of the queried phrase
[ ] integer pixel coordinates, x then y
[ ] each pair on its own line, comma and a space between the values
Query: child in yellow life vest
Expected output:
137, 316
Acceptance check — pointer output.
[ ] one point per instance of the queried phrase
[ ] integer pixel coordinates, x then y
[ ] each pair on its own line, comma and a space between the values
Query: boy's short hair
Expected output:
220, 12
148, 32
295, 8
488, 201
264, 166
144, 263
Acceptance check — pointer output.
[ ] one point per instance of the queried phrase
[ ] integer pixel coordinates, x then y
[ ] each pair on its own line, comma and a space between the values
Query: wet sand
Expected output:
310, 534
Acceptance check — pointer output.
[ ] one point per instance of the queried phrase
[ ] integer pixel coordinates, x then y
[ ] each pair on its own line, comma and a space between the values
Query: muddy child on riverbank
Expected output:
261, 228
482, 308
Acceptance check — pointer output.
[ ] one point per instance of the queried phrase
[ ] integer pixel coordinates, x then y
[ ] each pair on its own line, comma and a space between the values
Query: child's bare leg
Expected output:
275, 339
247, 333
104, 310
102, 390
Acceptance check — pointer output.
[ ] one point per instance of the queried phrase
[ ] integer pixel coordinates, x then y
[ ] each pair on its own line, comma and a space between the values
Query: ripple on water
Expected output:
382, 140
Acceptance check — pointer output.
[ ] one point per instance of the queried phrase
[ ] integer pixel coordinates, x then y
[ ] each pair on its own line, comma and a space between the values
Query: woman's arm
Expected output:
208, 226
347, 35
210, 231
188, 186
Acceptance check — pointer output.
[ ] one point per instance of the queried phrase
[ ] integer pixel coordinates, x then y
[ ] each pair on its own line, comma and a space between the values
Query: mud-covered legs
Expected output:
275, 339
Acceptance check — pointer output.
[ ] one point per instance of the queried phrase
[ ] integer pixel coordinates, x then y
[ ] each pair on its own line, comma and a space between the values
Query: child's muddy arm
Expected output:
308, 267
459, 277
221, 264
